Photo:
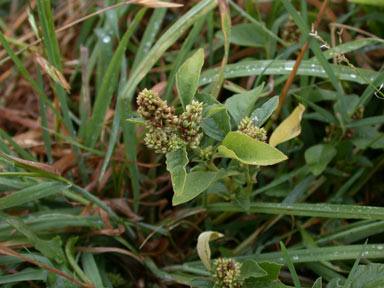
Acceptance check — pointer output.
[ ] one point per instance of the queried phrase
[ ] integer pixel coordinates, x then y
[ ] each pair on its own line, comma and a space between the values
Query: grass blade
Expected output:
31, 193
108, 86
309, 210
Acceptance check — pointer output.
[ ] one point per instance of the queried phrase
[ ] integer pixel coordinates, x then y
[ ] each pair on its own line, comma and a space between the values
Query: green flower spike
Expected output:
189, 124
248, 128
227, 273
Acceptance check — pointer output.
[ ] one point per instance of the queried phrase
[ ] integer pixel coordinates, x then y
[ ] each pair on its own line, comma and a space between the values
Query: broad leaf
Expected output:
249, 151
334, 283
319, 156
196, 183
241, 105
202, 283
289, 128
250, 268
371, 275
203, 248
318, 283
260, 115
217, 124
176, 162
187, 77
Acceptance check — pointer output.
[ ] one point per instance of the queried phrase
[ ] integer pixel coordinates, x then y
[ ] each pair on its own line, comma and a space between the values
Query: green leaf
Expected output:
334, 283
187, 77
27, 274
369, 2
196, 183
217, 125
91, 269
176, 163
249, 151
307, 210
52, 249
250, 268
241, 105
108, 85
319, 156
291, 267
371, 275
368, 136
284, 67
202, 283
318, 283
225, 20
244, 35
260, 115
273, 270
31, 193
203, 248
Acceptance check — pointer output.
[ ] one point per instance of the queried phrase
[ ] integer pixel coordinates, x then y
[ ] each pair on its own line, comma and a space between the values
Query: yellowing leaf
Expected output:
203, 248
289, 128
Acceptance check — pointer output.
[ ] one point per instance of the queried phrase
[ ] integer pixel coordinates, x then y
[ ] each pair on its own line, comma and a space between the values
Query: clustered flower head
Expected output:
247, 127
168, 132
227, 273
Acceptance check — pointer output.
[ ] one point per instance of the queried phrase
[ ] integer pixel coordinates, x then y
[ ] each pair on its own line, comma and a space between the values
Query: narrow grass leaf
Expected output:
185, 48
70, 253
289, 263
308, 210
15, 146
319, 54
31, 193
28, 274
150, 33
354, 267
284, 67
225, 18
108, 85
52, 248
91, 269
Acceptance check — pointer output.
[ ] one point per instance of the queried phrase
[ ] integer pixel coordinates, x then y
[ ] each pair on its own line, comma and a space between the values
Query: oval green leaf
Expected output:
319, 156
187, 77
176, 162
249, 151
